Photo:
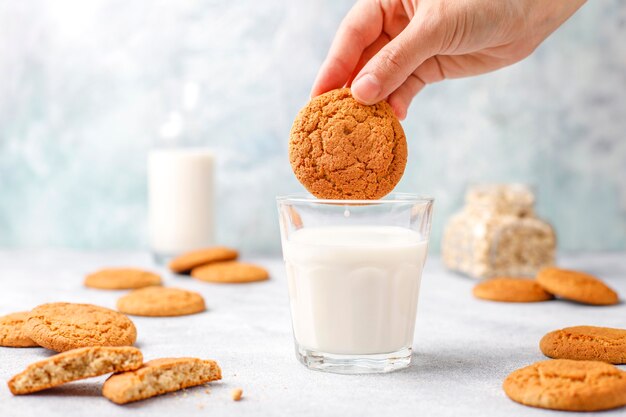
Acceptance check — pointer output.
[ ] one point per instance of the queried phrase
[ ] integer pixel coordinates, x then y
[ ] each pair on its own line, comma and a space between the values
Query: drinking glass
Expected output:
354, 269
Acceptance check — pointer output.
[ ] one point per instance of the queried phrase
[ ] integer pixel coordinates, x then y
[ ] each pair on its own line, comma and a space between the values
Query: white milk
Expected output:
354, 290
180, 200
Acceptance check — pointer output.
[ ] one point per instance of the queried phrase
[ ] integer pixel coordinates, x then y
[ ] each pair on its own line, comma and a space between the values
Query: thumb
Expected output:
392, 65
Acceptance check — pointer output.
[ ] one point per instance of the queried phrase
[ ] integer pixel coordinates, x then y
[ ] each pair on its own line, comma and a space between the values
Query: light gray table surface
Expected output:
463, 347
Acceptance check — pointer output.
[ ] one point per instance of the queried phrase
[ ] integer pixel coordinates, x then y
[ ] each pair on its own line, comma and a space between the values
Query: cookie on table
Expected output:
158, 377
586, 343
563, 384
341, 149
511, 290
66, 326
121, 279
187, 261
232, 272
73, 365
161, 302
12, 333
576, 286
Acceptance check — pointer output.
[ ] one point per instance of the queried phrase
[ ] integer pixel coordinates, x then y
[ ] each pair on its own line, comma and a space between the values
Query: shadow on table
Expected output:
450, 363
73, 389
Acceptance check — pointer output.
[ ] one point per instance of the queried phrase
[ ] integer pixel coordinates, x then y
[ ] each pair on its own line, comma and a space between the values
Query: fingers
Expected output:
369, 52
359, 29
393, 64
400, 99
429, 72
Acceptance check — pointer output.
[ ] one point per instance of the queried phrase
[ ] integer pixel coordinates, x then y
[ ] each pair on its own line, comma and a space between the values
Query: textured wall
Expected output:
88, 87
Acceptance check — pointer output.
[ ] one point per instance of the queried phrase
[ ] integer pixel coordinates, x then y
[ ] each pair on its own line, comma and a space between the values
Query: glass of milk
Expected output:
354, 269
180, 200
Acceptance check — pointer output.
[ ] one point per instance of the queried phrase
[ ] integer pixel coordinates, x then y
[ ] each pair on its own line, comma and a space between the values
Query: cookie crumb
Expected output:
236, 394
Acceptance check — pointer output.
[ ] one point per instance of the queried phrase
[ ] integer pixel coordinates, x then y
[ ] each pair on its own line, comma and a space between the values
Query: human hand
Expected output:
392, 48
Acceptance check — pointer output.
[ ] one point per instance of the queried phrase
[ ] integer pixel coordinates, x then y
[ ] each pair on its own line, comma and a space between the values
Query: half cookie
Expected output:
158, 377
74, 365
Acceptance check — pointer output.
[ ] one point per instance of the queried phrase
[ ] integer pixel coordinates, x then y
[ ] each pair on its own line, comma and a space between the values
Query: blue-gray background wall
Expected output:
88, 87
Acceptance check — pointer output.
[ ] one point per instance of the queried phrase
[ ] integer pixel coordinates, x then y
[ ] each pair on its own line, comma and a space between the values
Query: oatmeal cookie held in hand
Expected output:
341, 149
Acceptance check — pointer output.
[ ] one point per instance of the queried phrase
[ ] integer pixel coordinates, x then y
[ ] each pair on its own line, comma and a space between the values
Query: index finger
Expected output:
359, 29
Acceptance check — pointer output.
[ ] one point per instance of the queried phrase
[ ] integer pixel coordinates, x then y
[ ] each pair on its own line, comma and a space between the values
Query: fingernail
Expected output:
366, 89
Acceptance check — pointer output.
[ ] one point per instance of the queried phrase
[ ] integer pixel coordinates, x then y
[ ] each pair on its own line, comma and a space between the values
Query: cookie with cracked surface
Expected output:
158, 377
586, 343
576, 286
12, 333
73, 365
187, 261
341, 149
161, 302
563, 384
230, 273
121, 279
66, 326
511, 290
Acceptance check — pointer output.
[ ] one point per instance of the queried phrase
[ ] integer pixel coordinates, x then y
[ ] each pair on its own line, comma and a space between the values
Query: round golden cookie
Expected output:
563, 384
576, 286
230, 273
12, 333
188, 261
161, 302
341, 149
586, 343
65, 326
121, 279
511, 290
